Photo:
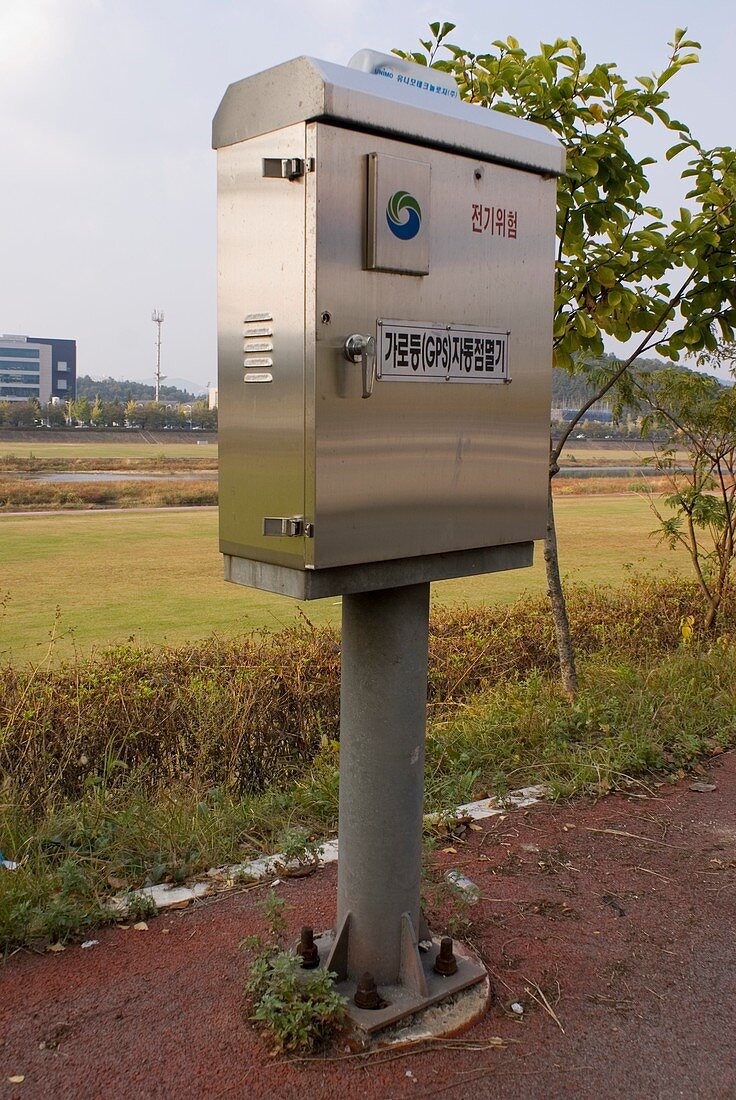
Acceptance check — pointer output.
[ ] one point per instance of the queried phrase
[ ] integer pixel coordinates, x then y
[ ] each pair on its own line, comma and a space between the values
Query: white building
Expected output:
34, 366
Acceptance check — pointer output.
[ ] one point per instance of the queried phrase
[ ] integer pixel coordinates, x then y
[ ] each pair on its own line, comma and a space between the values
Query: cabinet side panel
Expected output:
260, 335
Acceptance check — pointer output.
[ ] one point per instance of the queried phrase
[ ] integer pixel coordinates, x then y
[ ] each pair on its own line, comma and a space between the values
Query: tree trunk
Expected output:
557, 599
709, 622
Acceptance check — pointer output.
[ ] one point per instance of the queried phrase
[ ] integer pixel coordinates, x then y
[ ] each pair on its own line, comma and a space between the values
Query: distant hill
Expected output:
180, 384
115, 389
570, 391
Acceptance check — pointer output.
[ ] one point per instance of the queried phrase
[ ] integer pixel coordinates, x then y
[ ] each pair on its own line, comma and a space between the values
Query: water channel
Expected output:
61, 478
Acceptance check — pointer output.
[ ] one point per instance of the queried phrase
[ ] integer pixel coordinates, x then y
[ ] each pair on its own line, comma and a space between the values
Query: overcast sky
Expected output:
107, 178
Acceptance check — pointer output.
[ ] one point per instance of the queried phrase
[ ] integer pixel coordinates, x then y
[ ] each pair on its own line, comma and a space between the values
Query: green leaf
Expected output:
675, 149
587, 165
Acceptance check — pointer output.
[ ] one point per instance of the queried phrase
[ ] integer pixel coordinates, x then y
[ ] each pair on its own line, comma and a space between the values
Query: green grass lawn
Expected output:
584, 452
93, 447
157, 576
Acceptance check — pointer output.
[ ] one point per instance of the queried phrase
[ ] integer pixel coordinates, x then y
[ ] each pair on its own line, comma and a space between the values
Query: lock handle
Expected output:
362, 349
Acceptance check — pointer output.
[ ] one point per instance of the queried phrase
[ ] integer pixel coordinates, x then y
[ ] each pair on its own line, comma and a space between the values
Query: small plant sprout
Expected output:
299, 853
300, 1009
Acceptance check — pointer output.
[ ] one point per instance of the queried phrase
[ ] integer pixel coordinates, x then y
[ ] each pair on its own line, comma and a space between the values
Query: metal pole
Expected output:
157, 317
383, 706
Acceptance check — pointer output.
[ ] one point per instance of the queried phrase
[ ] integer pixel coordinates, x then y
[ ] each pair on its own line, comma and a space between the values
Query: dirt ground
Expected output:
621, 912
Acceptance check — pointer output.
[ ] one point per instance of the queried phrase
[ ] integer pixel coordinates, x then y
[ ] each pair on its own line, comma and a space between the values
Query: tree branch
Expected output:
673, 302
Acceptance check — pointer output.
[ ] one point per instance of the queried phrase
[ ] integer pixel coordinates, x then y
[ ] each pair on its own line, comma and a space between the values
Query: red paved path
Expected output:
634, 940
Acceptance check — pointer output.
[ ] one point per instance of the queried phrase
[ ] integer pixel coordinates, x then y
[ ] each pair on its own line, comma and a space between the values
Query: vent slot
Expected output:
257, 333
253, 344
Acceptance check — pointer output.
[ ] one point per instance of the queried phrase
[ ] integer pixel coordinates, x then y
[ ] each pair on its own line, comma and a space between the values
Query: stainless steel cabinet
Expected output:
329, 227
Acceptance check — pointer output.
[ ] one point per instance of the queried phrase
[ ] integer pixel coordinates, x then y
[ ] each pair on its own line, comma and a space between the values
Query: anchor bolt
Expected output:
446, 963
308, 949
366, 995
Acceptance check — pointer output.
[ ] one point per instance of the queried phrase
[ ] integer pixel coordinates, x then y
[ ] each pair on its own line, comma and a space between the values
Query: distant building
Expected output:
34, 366
212, 397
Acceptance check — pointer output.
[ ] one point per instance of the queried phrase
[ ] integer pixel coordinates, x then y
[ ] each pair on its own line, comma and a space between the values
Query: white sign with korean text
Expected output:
413, 351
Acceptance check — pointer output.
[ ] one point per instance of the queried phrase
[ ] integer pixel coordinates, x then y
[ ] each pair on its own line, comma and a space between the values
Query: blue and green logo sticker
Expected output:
404, 215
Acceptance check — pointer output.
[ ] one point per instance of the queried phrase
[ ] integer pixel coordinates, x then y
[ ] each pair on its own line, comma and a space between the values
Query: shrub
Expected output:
240, 715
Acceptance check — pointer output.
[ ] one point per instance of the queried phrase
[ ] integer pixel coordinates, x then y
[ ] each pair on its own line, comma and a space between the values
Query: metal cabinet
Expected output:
342, 211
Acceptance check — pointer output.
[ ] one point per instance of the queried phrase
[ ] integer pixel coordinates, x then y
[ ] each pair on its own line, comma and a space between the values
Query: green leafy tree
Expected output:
113, 413
724, 356
97, 416
81, 410
153, 416
133, 414
698, 513
20, 414
203, 416
55, 415
622, 271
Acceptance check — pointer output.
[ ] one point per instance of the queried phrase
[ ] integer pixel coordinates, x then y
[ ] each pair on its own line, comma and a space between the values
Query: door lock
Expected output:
362, 349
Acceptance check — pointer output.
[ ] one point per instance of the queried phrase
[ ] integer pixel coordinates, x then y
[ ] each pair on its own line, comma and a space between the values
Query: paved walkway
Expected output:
621, 912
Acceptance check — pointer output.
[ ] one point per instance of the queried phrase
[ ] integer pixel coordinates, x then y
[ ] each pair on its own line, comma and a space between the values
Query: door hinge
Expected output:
285, 168
287, 527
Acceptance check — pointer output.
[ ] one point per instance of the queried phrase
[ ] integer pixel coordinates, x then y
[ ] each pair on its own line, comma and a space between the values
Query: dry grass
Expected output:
239, 713
147, 766
602, 486
76, 460
20, 495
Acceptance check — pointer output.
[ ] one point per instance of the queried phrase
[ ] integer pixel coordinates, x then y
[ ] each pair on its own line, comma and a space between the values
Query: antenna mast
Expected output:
158, 319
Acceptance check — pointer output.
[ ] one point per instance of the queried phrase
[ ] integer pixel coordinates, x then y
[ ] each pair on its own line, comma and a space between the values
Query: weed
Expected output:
300, 1013
588, 486
301, 1010
299, 851
274, 910
139, 906
105, 457
37, 910
445, 907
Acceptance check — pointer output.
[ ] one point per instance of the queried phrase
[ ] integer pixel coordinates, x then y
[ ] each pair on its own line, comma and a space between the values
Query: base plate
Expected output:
402, 1002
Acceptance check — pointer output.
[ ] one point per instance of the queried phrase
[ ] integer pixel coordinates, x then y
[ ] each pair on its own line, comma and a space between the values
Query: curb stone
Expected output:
166, 897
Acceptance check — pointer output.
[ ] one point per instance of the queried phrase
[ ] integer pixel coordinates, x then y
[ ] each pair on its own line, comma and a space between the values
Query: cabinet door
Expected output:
427, 464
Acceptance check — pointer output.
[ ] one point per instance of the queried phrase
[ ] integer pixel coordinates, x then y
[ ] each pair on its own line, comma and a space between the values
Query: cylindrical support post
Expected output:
383, 713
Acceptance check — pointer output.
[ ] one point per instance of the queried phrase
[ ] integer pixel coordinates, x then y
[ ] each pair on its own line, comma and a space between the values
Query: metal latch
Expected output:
283, 168
286, 527
362, 349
